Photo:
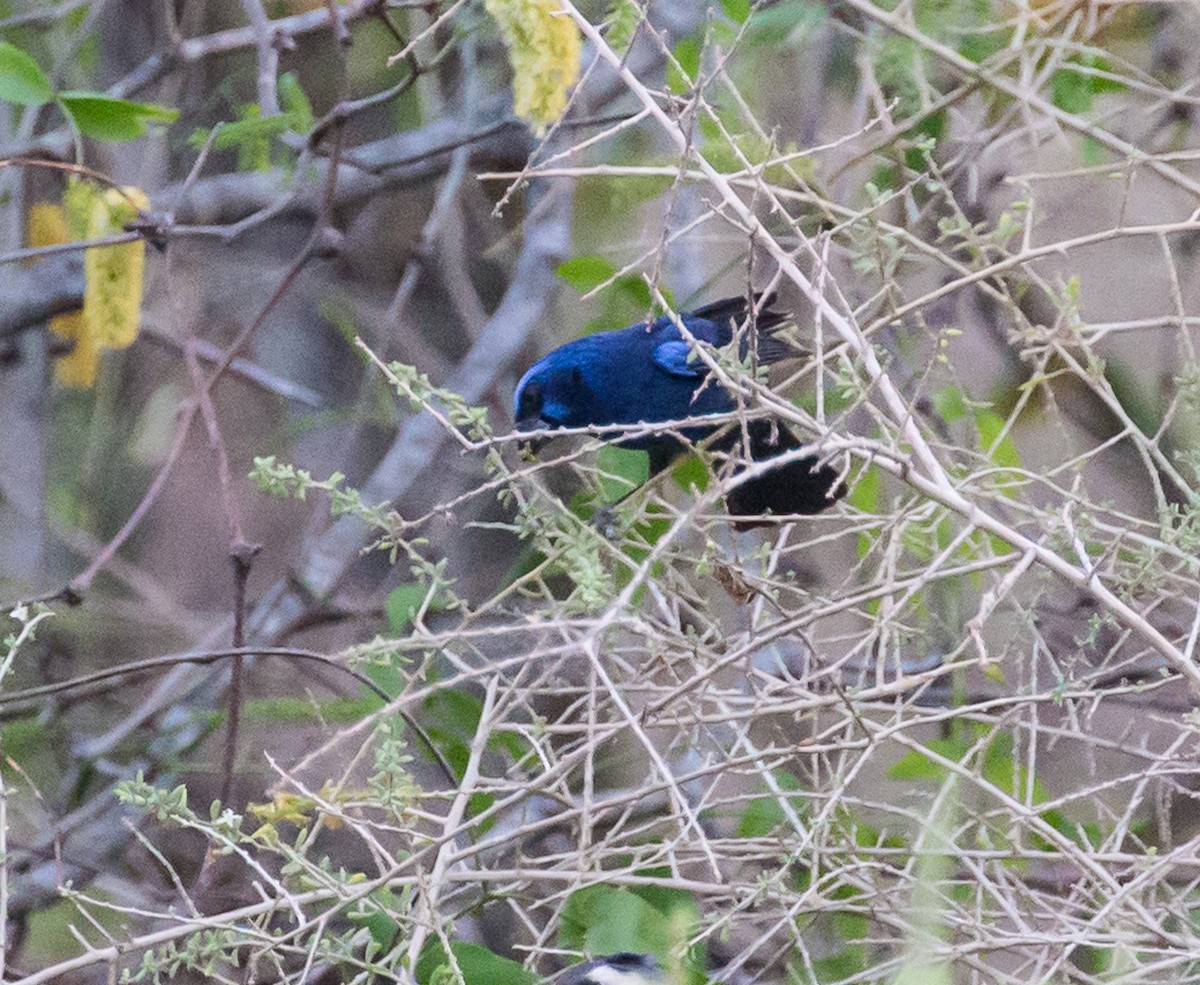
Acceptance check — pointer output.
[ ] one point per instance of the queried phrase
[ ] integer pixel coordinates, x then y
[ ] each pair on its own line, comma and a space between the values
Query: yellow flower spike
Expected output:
77, 204
78, 368
114, 275
544, 50
112, 298
48, 225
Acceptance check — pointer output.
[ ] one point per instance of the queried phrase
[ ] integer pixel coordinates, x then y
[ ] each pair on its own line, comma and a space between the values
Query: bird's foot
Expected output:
608, 522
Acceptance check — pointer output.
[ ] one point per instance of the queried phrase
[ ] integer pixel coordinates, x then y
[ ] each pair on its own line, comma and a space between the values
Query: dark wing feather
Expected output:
731, 313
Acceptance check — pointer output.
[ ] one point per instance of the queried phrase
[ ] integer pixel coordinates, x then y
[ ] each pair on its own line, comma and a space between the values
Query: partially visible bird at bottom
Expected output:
625, 968
648, 374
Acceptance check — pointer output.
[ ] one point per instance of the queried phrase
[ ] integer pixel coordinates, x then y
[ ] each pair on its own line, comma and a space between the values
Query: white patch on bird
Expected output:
608, 975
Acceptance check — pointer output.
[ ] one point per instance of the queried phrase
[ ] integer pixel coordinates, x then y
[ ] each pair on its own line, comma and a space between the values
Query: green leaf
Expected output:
984, 44
846, 963
687, 54
886, 177
865, 497
584, 273
104, 118
1072, 91
948, 402
994, 672
622, 470
604, 920
21, 80
403, 604
788, 23
637, 291
252, 133
384, 676
764, 814
241, 132
622, 23
1092, 152
628, 301
294, 102
931, 128
453, 719
479, 966
1003, 453
736, 10
383, 928
691, 473
866, 492
915, 765
1139, 397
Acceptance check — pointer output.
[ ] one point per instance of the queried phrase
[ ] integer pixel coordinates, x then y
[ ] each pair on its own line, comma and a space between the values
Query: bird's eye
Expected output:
531, 401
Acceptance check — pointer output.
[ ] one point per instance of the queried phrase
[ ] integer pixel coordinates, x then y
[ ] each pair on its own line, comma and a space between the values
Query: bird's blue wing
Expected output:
675, 355
677, 359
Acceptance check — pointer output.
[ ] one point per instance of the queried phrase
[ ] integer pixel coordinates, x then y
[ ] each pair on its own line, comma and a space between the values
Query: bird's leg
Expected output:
606, 518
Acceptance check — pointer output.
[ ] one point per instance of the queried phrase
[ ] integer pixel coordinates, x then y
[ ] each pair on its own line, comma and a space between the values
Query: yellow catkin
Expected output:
544, 50
78, 367
112, 299
47, 225
77, 204
114, 275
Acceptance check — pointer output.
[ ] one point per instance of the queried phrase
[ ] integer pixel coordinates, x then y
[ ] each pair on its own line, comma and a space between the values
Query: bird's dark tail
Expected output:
799, 486
737, 310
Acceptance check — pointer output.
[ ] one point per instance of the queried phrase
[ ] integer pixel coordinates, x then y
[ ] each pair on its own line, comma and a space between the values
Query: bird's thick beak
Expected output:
532, 424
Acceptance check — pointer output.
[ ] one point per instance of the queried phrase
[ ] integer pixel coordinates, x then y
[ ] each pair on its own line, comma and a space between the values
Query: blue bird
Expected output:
647, 374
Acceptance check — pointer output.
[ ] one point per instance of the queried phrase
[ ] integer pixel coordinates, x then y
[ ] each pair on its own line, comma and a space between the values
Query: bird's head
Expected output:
616, 969
553, 394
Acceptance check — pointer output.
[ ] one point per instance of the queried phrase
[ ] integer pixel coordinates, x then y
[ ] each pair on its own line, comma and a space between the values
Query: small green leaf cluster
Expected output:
733, 362
411, 383
621, 24
205, 953
253, 134
1179, 527
433, 589
734, 152
578, 550
982, 241
875, 248
309, 875
164, 805
289, 482
390, 782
